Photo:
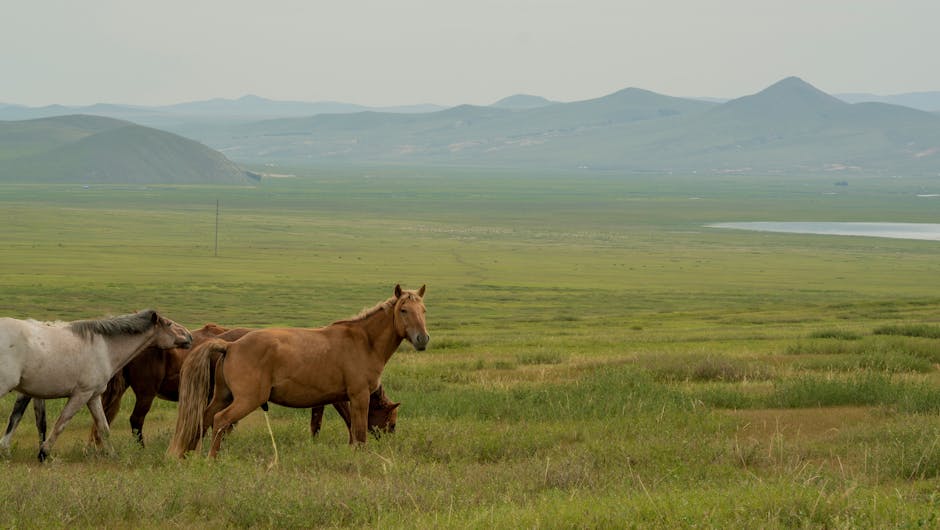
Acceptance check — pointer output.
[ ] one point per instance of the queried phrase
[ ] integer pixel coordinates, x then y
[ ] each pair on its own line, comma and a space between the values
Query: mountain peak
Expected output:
794, 88
789, 99
522, 101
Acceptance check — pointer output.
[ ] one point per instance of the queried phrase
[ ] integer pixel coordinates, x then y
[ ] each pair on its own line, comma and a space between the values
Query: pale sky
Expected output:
399, 52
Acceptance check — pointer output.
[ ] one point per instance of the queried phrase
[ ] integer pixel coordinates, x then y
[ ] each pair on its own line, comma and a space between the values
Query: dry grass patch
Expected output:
804, 424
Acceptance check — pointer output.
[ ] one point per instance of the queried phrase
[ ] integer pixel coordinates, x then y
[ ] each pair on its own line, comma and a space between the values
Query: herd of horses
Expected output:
217, 375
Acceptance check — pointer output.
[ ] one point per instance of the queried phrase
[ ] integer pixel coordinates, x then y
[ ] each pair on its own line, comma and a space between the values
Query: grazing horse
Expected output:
76, 359
155, 373
296, 367
383, 414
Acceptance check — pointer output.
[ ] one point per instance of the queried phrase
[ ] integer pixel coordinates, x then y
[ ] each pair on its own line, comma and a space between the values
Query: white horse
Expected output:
77, 359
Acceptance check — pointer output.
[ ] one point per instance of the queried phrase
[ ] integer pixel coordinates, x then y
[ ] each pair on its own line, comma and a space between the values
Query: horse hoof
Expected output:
43, 455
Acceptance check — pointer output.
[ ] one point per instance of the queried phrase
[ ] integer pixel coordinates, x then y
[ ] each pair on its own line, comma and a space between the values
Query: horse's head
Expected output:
208, 331
383, 417
169, 334
409, 317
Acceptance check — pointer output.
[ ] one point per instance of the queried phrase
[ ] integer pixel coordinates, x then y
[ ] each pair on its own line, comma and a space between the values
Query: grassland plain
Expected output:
598, 358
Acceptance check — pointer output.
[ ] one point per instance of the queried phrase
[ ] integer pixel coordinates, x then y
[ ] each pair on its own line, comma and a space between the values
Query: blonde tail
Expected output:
195, 390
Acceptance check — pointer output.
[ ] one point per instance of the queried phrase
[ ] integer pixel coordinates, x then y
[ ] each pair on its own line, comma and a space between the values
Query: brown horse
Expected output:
156, 373
296, 367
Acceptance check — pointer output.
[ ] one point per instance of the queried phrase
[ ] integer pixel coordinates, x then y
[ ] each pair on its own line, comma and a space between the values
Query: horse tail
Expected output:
111, 398
196, 383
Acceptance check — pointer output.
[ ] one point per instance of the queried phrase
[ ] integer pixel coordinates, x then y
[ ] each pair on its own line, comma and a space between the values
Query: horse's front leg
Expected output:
74, 403
19, 407
359, 417
342, 407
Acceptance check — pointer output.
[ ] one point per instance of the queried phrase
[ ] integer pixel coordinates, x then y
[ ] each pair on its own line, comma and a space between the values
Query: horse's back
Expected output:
48, 359
34, 340
293, 344
302, 366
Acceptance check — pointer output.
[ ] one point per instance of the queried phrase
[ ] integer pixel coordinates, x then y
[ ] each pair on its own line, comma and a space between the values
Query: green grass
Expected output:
597, 357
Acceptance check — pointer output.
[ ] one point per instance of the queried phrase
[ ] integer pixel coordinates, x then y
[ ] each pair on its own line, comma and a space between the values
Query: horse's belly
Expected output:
43, 379
298, 396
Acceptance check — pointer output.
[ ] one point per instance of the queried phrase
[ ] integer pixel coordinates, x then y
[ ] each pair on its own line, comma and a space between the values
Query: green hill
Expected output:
91, 149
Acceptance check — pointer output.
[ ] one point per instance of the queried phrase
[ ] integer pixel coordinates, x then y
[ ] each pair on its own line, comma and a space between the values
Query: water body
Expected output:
923, 231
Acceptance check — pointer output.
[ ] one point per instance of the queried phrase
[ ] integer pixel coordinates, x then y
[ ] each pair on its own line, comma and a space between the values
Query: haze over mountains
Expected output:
790, 127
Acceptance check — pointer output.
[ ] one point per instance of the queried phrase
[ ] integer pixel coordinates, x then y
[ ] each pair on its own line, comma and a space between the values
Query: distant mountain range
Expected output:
246, 108
93, 150
929, 101
790, 127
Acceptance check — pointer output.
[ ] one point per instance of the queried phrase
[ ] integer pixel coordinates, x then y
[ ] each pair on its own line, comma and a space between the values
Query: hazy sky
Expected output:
392, 52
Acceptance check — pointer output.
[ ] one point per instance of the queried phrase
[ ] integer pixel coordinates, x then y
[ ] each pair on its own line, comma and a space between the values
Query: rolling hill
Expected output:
929, 101
92, 149
789, 127
463, 134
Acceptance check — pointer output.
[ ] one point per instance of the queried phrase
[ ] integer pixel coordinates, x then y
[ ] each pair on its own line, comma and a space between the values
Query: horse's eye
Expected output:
403, 311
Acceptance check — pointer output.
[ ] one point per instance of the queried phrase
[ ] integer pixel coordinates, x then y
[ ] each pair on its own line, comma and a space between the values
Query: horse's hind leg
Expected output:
19, 407
223, 421
74, 403
39, 410
221, 398
141, 408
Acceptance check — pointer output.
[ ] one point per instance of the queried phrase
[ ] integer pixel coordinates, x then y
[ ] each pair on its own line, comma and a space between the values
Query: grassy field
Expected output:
598, 358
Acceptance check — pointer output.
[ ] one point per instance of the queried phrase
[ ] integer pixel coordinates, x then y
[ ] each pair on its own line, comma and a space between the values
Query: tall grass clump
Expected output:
879, 345
862, 389
840, 334
891, 363
709, 368
910, 330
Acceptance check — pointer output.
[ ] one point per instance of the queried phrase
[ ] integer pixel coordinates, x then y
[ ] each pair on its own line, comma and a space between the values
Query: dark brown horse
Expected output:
296, 367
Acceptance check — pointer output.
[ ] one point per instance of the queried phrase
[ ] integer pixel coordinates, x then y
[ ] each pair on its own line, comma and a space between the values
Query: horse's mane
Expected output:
369, 311
132, 324
387, 305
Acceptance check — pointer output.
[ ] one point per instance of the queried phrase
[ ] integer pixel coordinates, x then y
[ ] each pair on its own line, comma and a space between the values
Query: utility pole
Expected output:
218, 206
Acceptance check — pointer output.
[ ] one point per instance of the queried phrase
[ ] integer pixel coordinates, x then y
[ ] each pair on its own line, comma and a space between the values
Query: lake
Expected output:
924, 231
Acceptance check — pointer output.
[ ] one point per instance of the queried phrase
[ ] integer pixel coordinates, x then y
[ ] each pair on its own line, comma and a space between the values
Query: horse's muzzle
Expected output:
420, 341
186, 344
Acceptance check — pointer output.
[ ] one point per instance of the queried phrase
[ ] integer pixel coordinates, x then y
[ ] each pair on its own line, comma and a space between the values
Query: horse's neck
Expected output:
123, 348
380, 327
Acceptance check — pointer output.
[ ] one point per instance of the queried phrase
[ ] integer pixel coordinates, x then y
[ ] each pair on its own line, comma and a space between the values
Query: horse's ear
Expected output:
154, 317
397, 290
421, 291
392, 406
